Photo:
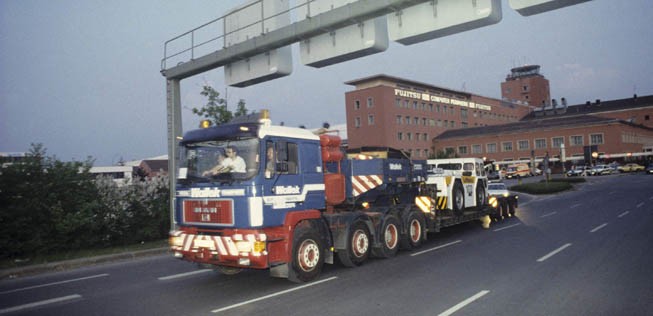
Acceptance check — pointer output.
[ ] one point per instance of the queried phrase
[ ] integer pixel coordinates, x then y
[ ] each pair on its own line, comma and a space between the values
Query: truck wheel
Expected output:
504, 209
307, 256
358, 245
414, 232
458, 198
389, 238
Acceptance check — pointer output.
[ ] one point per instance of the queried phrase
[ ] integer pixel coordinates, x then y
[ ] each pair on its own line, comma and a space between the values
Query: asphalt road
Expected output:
583, 252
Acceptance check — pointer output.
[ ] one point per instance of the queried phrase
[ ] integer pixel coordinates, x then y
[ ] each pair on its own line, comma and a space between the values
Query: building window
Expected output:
647, 117
431, 108
370, 102
426, 153
423, 106
424, 121
417, 136
444, 109
431, 122
522, 145
399, 119
476, 149
357, 122
357, 105
556, 142
463, 113
414, 105
437, 108
453, 124
491, 148
463, 124
409, 136
398, 103
425, 137
462, 150
524, 88
406, 102
407, 120
506, 146
576, 140
370, 119
416, 120
449, 151
540, 143
400, 136
596, 139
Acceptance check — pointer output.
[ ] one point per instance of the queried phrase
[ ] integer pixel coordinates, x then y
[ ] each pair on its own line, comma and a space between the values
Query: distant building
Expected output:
525, 85
152, 168
121, 175
8, 158
620, 129
406, 114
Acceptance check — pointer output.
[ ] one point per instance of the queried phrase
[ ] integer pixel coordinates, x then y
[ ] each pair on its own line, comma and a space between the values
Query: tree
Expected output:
216, 108
444, 154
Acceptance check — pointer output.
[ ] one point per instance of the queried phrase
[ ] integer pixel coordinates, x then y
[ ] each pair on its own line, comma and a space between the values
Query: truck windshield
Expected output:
223, 160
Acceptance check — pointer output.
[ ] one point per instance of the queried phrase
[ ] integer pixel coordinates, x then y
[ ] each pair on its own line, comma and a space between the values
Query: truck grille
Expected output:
208, 212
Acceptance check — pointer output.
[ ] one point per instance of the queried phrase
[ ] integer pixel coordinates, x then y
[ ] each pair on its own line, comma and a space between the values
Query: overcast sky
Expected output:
82, 76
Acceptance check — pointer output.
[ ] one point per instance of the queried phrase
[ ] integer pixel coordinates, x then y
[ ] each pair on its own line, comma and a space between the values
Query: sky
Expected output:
83, 77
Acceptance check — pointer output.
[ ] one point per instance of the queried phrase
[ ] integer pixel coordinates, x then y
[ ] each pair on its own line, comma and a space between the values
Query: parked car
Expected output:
579, 171
600, 170
630, 167
649, 168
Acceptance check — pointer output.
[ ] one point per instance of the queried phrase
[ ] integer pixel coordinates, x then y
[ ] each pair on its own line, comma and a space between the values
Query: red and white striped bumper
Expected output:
241, 249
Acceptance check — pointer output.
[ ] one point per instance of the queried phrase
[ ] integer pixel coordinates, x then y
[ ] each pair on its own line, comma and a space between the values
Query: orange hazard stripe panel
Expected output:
362, 184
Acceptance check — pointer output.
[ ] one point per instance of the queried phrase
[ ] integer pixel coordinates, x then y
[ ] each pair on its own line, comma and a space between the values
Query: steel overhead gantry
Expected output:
339, 17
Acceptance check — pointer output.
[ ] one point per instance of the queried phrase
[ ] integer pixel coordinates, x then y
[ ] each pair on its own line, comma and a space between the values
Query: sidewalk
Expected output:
76, 263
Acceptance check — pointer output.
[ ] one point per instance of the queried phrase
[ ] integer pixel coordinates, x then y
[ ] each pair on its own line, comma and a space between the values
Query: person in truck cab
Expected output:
232, 163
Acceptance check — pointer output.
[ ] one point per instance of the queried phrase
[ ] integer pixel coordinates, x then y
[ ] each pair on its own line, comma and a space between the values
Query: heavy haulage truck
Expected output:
300, 201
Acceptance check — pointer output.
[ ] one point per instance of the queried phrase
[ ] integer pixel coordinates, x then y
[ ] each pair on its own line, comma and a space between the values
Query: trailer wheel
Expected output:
458, 198
481, 198
358, 245
307, 256
414, 232
389, 238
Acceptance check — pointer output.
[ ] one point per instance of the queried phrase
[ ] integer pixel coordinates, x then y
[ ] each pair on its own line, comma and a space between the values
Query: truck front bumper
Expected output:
246, 249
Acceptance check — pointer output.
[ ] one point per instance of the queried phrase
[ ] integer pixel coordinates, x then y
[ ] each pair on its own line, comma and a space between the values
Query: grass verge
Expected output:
544, 187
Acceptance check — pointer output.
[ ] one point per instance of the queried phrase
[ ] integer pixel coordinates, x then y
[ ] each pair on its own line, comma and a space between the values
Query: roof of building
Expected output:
156, 165
597, 106
405, 82
573, 116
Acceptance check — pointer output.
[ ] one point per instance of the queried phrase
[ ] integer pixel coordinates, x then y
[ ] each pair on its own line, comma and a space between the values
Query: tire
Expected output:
458, 199
414, 232
307, 254
503, 210
389, 238
358, 245
481, 198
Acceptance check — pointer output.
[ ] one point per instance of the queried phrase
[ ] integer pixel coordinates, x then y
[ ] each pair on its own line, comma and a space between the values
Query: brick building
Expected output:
621, 130
405, 114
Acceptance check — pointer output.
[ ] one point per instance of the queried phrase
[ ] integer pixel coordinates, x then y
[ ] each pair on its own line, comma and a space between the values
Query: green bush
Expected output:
542, 187
48, 206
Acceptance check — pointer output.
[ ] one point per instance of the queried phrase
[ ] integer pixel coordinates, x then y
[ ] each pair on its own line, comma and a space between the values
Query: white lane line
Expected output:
39, 303
598, 227
181, 275
552, 253
548, 214
576, 205
435, 248
271, 295
640, 205
464, 303
55, 283
510, 226
623, 214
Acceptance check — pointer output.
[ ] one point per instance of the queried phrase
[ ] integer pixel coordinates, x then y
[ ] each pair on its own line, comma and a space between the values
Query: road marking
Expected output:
552, 253
576, 205
55, 283
548, 214
464, 303
181, 275
435, 248
39, 303
510, 226
598, 227
623, 214
271, 295
640, 205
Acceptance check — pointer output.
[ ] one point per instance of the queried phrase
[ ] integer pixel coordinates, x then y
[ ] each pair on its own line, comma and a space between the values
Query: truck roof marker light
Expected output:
205, 124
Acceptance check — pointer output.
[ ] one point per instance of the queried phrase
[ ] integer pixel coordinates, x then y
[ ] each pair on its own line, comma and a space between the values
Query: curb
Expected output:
76, 263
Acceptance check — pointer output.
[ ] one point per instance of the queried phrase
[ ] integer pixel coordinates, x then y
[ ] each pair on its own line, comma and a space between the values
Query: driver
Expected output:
232, 163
